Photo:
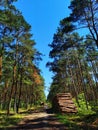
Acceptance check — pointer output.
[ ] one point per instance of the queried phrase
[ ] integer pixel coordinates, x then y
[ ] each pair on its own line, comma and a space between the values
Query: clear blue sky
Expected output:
44, 17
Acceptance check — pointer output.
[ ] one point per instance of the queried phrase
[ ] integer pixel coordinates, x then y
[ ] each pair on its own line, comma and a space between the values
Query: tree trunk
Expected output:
97, 41
15, 94
73, 82
5, 95
0, 67
19, 97
11, 92
83, 83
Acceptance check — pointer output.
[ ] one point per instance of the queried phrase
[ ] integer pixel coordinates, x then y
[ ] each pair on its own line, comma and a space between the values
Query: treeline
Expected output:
21, 84
75, 56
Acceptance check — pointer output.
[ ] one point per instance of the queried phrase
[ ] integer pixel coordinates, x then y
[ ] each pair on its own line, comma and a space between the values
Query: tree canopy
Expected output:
21, 83
75, 56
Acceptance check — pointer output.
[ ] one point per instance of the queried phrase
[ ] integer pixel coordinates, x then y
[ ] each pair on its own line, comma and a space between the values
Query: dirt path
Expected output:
40, 121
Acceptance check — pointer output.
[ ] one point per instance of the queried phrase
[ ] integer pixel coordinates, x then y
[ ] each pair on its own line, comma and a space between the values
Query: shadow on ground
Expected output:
44, 123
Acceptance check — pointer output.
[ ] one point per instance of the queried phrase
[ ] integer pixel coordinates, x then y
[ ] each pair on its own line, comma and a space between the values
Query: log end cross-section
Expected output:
63, 103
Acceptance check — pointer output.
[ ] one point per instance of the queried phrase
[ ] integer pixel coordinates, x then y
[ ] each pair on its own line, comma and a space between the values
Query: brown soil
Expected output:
40, 121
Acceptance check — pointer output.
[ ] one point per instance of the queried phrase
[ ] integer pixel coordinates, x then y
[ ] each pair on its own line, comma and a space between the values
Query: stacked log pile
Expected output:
63, 103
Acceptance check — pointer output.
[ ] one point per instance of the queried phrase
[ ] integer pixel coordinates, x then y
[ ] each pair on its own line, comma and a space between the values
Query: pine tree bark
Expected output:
0, 67
20, 90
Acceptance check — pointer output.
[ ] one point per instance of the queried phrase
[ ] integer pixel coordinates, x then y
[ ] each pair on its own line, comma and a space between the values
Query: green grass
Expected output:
79, 122
7, 121
13, 119
68, 121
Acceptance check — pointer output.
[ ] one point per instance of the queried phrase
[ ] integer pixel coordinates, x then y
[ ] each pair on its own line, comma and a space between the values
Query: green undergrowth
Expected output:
13, 119
79, 122
8, 121
84, 119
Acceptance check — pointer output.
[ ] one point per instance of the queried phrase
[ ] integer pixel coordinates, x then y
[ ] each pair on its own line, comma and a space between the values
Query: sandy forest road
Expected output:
40, 121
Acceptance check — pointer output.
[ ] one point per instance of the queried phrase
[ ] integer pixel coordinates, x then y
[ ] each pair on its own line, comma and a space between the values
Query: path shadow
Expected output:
44, 123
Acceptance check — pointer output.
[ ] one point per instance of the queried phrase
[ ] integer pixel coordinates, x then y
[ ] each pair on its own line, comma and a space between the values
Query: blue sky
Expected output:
44, 17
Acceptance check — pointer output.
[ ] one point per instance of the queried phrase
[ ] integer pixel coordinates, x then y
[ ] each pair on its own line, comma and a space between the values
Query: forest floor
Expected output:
39, 121
45, 120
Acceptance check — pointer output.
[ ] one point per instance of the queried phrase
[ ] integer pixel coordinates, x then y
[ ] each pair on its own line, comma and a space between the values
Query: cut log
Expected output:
63, 103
